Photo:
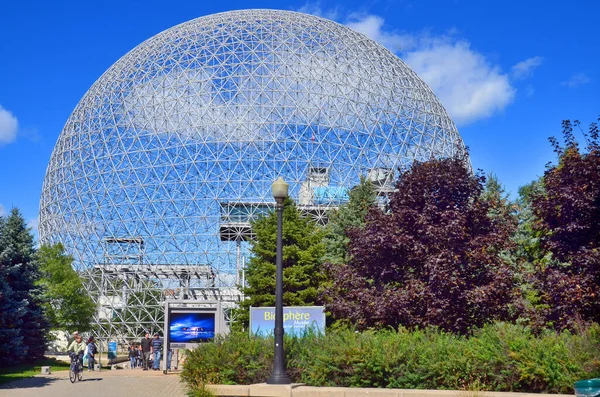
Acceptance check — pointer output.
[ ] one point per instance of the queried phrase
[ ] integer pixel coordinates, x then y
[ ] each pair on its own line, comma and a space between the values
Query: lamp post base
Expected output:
278, 379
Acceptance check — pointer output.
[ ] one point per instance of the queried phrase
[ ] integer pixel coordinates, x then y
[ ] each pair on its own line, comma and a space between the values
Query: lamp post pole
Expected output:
279, 376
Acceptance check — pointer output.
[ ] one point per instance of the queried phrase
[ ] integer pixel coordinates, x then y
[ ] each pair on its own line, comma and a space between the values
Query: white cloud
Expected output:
372, 27
316, 9
2, 210
524, 69
8, 126
469, 86
576, 80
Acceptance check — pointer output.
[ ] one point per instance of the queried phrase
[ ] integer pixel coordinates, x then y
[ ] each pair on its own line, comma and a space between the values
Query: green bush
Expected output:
498, 357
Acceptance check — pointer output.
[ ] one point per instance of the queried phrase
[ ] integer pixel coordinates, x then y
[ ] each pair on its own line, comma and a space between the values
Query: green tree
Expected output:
303, 250
347, 217
19, 272
67, 304
12, 311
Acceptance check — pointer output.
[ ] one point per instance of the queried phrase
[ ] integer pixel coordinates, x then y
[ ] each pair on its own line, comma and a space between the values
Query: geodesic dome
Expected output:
172, 152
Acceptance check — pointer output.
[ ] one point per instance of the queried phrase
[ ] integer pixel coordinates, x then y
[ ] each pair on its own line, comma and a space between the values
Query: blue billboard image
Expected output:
191, 327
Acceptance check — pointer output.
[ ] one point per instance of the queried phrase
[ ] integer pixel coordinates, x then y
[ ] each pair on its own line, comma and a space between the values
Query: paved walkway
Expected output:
105, 383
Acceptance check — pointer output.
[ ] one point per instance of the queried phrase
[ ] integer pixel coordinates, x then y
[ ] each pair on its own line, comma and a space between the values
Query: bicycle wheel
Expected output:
80, 372
72, 373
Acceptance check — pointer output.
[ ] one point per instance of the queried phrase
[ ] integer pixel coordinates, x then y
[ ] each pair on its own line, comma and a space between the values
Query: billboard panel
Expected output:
191, 327
296, 320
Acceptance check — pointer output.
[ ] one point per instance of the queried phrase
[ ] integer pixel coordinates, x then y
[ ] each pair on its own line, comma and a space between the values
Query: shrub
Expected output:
497, 357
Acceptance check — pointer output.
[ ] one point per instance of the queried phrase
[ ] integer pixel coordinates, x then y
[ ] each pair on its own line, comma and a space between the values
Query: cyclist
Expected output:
77, 347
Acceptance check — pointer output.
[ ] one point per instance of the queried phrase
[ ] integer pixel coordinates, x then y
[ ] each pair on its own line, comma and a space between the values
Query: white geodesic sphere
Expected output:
201, 118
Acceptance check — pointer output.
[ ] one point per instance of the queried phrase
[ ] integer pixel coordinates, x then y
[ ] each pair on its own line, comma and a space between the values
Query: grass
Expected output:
29, 370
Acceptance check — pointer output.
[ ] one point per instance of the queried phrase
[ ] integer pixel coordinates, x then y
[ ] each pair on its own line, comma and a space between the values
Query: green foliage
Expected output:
497, 357
66, 303
303, 250
23, 326
347, 217
235, 359
201, 391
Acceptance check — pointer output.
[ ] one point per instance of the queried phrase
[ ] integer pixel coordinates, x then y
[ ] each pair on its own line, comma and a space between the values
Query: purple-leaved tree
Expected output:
432, 259
567, 213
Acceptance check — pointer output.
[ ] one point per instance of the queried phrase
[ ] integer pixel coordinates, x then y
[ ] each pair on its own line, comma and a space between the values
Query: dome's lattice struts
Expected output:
167, 157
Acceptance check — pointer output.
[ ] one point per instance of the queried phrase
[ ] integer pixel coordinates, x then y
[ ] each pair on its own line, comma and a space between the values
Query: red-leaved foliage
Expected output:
568, 213
431, 260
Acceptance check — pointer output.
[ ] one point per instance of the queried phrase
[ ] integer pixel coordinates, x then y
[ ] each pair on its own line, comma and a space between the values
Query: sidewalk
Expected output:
105, 383
125, 382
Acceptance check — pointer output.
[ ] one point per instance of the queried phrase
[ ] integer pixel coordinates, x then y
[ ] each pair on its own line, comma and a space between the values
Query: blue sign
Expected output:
296, 320
112, 350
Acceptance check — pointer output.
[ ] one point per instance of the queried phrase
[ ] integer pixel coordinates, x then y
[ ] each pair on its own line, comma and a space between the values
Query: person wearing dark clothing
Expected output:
138, 356
91, 352
146, 349
132, 353
157, 345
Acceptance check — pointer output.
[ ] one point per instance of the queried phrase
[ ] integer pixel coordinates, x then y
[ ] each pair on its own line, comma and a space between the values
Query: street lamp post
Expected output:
279, 377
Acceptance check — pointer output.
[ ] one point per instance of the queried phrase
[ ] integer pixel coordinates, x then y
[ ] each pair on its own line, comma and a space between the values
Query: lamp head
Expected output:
280, 190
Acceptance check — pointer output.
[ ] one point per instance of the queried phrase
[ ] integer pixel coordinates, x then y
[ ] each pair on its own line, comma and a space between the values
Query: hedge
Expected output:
498, 357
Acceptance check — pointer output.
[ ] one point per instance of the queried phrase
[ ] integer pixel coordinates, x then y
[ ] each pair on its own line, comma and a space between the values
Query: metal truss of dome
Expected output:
171, 153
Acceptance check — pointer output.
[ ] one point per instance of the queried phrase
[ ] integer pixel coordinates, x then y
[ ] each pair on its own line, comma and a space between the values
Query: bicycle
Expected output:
76, 369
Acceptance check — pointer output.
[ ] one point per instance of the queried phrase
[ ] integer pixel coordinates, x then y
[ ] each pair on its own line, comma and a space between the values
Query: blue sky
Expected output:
507, 71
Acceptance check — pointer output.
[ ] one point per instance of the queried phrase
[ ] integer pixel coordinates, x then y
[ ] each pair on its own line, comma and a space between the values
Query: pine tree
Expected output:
347, 217
12, 310
20, 272
303, 250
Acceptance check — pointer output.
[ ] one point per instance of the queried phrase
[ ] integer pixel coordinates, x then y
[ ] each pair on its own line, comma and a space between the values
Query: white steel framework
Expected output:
170, 154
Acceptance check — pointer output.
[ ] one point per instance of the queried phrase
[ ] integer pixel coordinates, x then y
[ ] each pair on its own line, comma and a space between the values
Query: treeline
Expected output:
449, 249
39, 291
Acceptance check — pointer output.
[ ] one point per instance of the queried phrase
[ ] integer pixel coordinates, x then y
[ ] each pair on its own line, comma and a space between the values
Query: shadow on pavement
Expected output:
90, 380
28, 383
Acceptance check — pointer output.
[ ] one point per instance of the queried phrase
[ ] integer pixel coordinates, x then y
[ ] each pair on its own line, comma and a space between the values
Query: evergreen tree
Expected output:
67, 304
20, 272
350, 216
433, 260
303, 250
12, 310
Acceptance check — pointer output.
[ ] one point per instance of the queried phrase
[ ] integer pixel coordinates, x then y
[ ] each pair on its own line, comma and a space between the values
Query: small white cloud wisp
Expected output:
525, 69
576, 80
8, 126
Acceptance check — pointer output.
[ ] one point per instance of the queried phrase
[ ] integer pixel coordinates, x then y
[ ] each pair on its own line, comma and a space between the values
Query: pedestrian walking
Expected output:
157, 346
139, 356
169, 358
146, 349
132, 354
92, 349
